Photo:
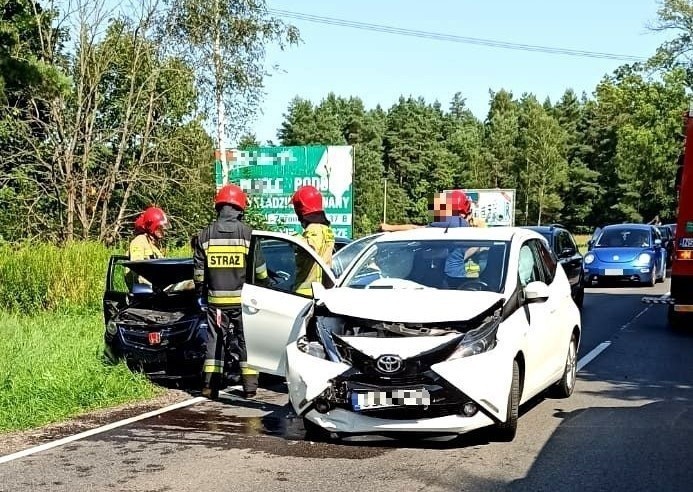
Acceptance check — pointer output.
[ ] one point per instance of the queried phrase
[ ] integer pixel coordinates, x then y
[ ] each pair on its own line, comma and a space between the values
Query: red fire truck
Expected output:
680, 300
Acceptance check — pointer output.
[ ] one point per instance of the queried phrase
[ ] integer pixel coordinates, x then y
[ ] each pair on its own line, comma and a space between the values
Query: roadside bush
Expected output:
40, 276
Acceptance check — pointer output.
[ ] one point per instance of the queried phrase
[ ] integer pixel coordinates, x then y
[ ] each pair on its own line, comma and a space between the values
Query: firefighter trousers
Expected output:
225, 329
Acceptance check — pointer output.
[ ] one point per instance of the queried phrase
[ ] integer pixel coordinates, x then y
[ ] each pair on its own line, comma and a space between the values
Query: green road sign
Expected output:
271, 175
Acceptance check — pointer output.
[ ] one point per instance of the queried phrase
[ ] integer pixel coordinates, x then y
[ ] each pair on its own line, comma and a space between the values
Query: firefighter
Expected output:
307, 202
452, 209
150, 229
221, 251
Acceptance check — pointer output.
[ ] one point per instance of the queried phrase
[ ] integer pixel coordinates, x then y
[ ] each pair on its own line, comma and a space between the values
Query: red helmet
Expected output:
459, 202
150, 220
231, 194
307, 200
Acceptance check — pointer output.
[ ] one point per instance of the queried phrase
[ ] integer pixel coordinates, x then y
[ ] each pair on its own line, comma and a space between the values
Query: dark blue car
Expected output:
626, 252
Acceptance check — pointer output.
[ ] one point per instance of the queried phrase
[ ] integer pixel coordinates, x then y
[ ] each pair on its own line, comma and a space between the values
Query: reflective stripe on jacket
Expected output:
220, 257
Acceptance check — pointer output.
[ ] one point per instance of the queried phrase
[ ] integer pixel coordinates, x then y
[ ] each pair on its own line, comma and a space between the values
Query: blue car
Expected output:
626, 252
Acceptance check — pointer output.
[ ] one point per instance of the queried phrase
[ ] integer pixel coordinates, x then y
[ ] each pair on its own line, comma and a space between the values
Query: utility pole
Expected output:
385, 202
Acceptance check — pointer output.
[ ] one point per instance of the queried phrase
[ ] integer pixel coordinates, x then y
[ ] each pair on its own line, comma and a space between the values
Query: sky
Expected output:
379, 67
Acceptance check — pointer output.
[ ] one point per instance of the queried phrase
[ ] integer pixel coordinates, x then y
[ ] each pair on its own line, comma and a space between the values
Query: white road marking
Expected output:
592, 355
99, 430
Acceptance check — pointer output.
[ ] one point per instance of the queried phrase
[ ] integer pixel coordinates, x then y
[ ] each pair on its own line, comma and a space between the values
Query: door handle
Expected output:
251, 308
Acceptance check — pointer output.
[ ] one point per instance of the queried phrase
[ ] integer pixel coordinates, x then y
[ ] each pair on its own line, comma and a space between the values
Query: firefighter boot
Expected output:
249, 379
211, 386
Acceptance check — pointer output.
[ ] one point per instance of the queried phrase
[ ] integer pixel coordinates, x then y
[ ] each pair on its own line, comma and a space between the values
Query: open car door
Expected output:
273, 314
115, 296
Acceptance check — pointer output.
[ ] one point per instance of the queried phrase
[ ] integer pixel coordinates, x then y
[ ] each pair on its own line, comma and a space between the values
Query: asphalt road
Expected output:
628, 426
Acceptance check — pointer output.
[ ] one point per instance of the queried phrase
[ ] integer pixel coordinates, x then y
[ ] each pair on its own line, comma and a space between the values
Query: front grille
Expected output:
173, 335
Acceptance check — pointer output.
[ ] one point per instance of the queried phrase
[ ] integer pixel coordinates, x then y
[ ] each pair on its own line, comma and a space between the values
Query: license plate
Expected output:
365, 400
686, 242
613, 271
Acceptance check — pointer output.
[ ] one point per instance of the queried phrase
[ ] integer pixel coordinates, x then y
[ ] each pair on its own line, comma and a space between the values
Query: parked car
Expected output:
673, 229
626, 252
564, 246
157, 328
668, 241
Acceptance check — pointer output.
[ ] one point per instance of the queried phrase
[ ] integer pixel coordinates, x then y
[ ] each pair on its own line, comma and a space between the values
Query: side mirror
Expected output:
658, 242
536, 292
567, 253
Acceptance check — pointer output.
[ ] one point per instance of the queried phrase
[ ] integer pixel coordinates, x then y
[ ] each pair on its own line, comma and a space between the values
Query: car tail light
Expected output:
684, 254
154, 338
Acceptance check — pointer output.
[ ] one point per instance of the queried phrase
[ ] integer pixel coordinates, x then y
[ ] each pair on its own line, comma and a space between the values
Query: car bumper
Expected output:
618, 273
183, 360
344, 421
322, 392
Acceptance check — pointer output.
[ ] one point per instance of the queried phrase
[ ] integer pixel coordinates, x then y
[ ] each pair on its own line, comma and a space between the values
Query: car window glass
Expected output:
438, 264
529, 268
624, 238
121, 278
548, 261
346, 255
285, 263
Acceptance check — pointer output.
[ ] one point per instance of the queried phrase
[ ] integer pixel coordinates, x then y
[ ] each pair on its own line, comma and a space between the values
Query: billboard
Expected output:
495, 206
271, 175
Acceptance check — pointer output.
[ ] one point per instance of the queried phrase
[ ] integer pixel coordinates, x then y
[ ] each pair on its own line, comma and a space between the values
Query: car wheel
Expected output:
653, 280
315, 433
676, 320
664, 274
505, 431
580, 296
564, 388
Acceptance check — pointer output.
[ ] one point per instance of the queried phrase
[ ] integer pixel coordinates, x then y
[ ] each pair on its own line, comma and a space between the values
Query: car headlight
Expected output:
644, 258
589, 258
480, 339
111, 328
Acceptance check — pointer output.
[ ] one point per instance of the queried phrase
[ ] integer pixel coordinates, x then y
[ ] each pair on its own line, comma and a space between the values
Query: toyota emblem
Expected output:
389, 363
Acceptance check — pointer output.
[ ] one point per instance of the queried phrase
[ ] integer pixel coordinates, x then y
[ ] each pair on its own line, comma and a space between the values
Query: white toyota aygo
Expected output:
433, 330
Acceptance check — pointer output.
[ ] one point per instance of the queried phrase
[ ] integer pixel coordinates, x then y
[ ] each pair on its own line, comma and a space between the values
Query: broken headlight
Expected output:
480, 339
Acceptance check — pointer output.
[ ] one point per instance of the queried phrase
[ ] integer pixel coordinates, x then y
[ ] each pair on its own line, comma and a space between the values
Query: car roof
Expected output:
545, 228
460, 233
629, 226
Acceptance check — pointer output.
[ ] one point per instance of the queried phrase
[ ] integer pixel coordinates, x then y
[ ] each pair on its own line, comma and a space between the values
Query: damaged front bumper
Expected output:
454, 396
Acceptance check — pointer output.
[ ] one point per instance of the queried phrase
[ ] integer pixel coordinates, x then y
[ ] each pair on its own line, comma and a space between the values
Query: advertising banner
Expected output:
495, 206
271, 175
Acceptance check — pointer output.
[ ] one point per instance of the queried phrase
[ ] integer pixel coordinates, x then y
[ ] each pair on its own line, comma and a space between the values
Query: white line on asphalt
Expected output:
99, 430
592, 355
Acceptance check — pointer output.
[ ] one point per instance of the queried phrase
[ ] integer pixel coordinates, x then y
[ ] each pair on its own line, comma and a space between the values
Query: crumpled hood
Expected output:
408, 306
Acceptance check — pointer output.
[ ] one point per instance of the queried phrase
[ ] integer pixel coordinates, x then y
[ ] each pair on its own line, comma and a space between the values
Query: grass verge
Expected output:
51, 369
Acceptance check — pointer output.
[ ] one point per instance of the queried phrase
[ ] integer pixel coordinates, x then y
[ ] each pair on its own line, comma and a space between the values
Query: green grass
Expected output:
41, 276
51, 368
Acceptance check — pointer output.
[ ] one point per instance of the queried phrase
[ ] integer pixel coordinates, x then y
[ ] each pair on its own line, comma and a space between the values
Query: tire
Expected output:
580, 296
653, 280
664, 274
676, 320
505, 431
565, 387
314, 432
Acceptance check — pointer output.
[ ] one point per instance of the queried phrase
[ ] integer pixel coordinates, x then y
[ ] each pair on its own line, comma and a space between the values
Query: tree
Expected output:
224, 40
501, 138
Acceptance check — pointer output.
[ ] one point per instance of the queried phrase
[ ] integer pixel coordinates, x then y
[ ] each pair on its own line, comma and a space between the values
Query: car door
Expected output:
115, 296
660, 251
570, 257
541, 335
273, 314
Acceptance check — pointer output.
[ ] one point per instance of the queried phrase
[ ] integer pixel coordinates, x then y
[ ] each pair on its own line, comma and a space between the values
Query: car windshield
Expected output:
438, 264
344, 257
624, 238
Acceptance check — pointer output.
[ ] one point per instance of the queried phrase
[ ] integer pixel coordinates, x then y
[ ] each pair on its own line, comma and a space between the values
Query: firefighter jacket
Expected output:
220, 258
143, 248
321, 238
